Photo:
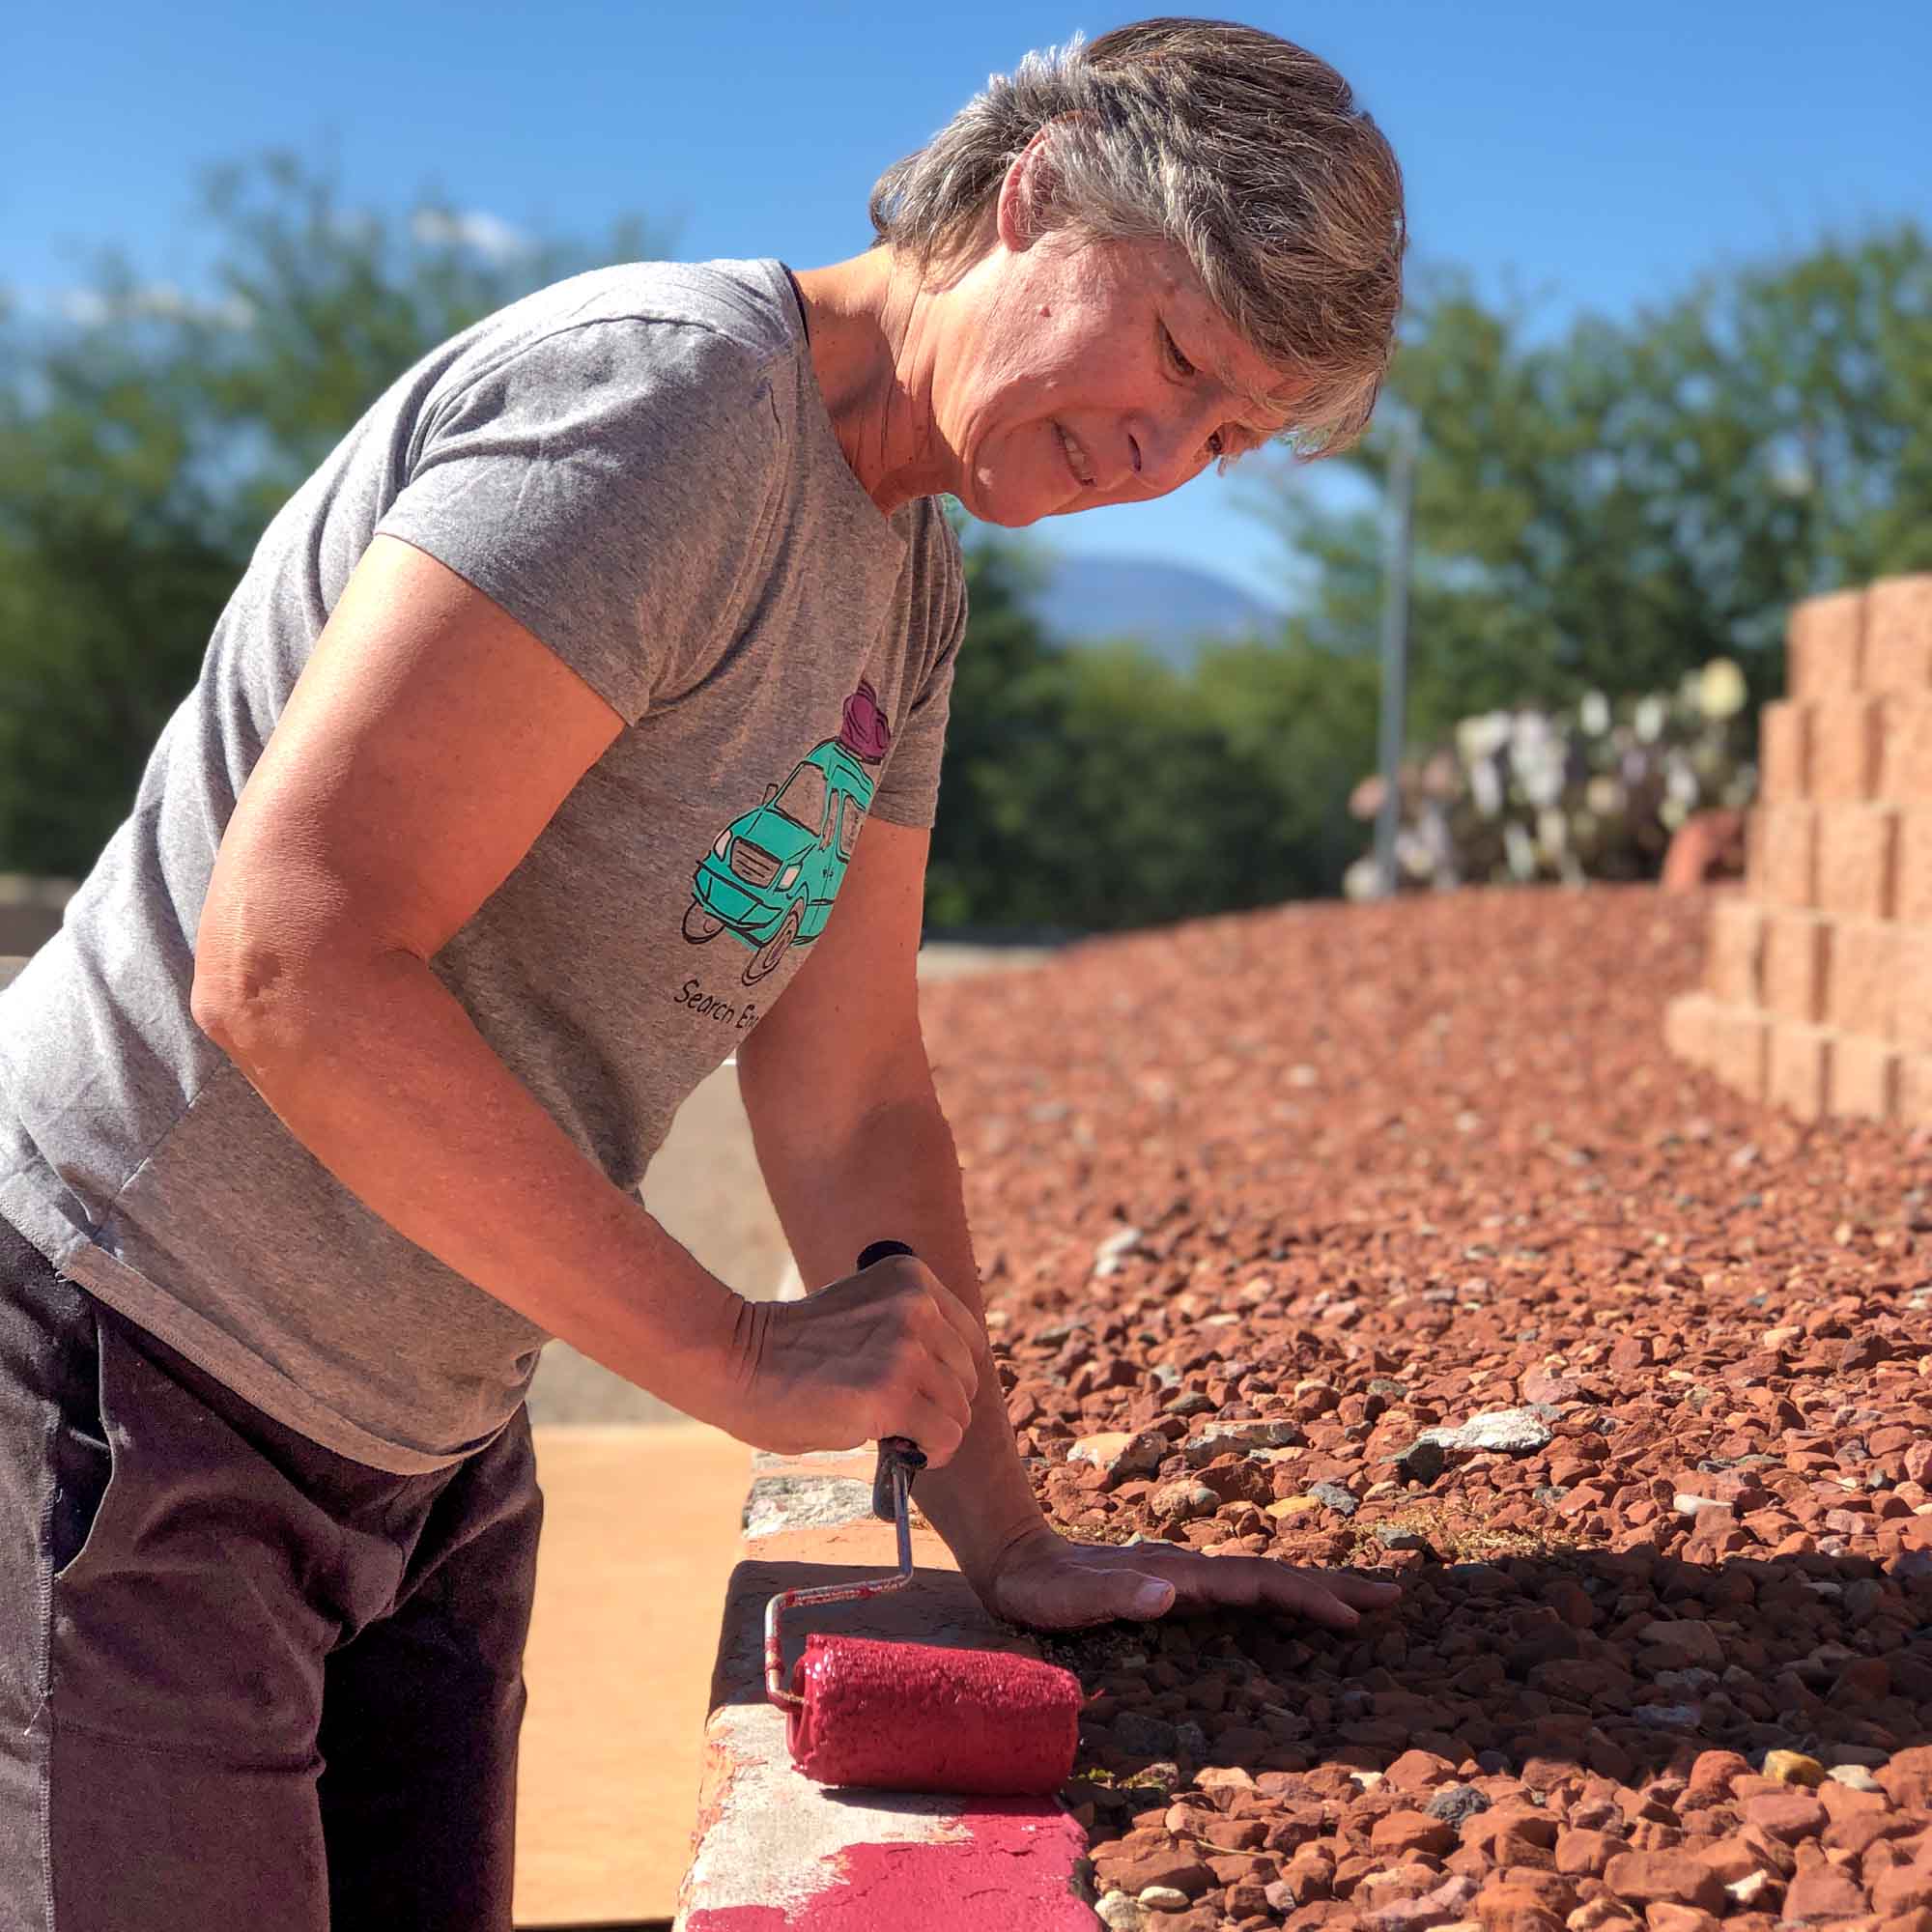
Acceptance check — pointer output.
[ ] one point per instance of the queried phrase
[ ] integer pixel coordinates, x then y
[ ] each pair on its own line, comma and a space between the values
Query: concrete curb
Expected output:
775, 1852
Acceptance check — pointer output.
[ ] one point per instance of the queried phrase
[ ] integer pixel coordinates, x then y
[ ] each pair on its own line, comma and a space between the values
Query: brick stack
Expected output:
1818, 982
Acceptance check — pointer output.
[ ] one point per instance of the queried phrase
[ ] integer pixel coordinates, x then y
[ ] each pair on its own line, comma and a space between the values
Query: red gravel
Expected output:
1364, 1172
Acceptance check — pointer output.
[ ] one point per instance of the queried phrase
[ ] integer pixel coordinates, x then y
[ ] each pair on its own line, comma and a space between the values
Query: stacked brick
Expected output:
1817, 994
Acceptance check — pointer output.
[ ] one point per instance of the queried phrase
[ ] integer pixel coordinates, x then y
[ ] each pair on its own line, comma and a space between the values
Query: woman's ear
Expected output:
1024, 212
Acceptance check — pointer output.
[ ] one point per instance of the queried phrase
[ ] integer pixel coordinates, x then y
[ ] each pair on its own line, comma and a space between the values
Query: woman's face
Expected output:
1073, 374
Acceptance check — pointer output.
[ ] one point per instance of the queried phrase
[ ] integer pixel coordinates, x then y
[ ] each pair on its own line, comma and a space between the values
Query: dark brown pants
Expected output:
246, 1684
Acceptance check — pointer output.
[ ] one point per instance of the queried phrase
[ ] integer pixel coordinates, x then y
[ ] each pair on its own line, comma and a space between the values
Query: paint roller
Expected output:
916, 1716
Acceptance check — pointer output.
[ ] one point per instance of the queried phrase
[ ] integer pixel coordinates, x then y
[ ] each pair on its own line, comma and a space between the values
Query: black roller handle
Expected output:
898, 1455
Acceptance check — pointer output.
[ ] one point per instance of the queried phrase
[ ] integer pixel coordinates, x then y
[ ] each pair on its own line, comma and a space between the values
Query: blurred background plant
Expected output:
1593, 791
147, 439
1610, 507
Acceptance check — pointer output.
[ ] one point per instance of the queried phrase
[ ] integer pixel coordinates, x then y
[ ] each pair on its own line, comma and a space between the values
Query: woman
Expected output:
552, 714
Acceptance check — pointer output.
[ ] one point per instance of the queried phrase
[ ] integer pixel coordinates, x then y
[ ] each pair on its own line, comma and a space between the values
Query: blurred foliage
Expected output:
1612, 508
1601, 513
1098, 787
1591, 793
146, 444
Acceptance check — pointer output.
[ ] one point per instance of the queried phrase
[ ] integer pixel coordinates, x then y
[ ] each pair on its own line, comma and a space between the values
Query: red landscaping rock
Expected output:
1554, 1893
1413, 1831
1679, 1918
1452, 1173
1180, 1869
1788, 1816
1901, 1890
1732, 1858
1512, 1909
1420, 1770
1907, 1780
1714, 1771
1585, 1854
1824, 1895
1664, 1878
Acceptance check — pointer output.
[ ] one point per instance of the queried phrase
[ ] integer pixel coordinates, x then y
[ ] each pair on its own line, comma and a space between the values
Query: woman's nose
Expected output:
1166, 452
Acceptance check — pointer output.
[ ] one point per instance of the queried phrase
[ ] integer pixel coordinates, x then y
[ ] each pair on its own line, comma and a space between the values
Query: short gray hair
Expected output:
1239, 149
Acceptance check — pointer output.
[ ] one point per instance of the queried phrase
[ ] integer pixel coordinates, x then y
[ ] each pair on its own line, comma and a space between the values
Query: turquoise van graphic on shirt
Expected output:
771, 878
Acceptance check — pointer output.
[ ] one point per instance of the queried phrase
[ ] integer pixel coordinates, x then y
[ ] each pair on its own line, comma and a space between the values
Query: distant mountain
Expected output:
1171, 607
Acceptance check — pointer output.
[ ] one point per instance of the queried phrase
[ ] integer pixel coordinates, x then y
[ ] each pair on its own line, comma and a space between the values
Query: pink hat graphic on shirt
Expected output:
866, 733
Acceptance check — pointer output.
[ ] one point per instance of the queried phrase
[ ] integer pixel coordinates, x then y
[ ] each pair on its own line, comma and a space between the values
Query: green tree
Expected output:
143, 450
1176, 794
1297, 724
1099, 788
1009, 700
1615, 506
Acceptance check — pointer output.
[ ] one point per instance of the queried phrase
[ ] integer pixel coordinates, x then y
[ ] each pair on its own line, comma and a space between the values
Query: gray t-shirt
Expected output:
638, 465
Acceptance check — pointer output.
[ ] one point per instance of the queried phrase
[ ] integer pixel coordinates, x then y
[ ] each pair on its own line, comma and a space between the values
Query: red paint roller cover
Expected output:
913, 1717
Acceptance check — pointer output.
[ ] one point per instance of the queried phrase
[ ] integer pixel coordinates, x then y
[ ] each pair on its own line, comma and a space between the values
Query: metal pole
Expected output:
1395, 640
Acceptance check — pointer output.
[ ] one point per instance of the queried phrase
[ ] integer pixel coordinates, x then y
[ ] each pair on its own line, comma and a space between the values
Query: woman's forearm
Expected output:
378, 1071
898, 1178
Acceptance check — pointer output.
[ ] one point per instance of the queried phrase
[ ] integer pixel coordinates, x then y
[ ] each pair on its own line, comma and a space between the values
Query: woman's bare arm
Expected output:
427, 743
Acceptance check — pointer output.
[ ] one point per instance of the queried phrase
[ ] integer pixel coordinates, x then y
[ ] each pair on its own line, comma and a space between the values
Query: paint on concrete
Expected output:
1015, 1855
768, 1836
775, 1850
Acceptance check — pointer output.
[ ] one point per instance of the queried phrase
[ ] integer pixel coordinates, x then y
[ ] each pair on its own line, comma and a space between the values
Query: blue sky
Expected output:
1591, 157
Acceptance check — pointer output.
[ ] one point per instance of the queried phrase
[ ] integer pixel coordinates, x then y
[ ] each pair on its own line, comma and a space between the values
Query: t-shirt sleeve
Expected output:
908, 792
609, 486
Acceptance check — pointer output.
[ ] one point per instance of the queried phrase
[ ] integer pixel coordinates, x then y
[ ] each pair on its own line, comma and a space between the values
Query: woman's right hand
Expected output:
886, 1351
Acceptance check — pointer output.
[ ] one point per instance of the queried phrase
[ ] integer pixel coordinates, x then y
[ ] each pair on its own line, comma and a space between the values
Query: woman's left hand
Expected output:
1044, 1579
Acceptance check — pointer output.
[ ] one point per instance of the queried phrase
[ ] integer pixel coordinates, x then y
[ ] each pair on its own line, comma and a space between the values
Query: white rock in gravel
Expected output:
1113, 1250
1687, 1504
1175, 1502
1854, 1777
1514, 1431
1122, 1452
1749, 1889
1121, 1913
1511, 1432
1163, 1898
1218, 1438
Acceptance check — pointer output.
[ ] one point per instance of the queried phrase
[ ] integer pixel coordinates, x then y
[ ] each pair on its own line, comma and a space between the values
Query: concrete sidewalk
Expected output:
641, 1530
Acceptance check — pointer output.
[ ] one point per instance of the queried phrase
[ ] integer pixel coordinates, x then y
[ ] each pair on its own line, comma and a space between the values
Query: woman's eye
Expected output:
1181, 362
